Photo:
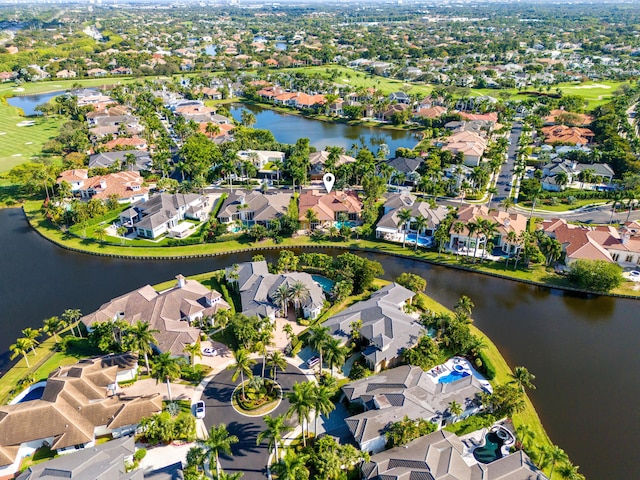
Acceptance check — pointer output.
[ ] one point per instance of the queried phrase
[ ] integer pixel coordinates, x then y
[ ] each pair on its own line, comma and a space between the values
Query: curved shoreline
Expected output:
354, 248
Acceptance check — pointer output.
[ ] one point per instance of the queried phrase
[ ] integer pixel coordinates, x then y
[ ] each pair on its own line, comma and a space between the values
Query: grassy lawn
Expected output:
19, 144
564, 207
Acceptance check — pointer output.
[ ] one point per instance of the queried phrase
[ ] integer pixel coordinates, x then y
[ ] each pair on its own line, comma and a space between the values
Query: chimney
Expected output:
625, 238
181, 281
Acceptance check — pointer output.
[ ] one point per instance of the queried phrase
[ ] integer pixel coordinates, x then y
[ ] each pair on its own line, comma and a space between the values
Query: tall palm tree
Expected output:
556, 455
52, 326
292, 467
276, 361
71, 316
464, 304
31, 336
507, 203
299, 293
281, 297
318, 340
420, 224
489, 230
526, 434
276, 428
455, 409
523, 378
140, 338
219, 441
404, 219
166, 368
321, 403
334, 353
21, 347
311, 217
193, 350
474, 228
243, 366
265, 340
570, 471
300, 400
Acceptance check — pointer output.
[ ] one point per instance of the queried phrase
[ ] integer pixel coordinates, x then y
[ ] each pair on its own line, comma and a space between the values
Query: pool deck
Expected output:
459, 364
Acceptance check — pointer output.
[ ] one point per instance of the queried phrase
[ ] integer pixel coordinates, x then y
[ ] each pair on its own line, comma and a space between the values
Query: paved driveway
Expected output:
505, 176
247, 456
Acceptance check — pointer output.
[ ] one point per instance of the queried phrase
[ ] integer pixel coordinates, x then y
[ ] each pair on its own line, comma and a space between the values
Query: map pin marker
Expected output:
328, 180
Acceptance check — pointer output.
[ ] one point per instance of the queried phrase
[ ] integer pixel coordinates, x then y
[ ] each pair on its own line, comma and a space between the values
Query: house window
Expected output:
353, 217
615, 257
629, 258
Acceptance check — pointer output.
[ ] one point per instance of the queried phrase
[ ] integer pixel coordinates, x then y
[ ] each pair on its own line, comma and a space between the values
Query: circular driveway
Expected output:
247, 456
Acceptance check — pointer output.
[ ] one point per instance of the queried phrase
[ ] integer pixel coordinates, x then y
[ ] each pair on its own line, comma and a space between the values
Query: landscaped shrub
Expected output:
486, 367
471, 424
227, 297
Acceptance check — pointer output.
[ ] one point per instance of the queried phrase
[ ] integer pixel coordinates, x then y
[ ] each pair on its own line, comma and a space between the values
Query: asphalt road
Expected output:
503, 183
247, 456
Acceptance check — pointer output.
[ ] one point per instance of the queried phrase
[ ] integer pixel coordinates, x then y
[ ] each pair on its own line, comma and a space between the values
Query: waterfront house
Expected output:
257, 288
254, 207
126, 186
163, 213
389, 227
317, 160
386, 327
107, 159
171, 312
331, 207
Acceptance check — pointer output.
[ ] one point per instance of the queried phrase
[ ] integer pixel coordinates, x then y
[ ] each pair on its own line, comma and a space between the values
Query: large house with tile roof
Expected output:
465, 240
330, 207
406, 391
254, 207
107, 159
468, 143
163, 213
317, 161
126, 186
389, 224
257, 288
386, 327
441, 455
602, 173
79, 402
565, 135
171, 312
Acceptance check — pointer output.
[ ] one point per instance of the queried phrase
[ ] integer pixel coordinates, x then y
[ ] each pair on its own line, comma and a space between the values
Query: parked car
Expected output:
313, 361
199, 409
209, 352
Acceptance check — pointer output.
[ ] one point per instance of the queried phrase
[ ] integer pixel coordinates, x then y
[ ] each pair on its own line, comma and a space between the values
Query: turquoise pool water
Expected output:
422, 241
452, 377
349, 224
491, 450
325, 283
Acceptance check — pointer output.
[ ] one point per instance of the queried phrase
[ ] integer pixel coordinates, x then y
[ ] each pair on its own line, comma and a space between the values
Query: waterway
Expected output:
28, 103
289, 128
583, 350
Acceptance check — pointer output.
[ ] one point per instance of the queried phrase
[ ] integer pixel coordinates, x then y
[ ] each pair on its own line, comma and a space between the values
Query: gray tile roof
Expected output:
102, 462
388, 329
405, 165
265, 207
159, 209
106, 159
433, 215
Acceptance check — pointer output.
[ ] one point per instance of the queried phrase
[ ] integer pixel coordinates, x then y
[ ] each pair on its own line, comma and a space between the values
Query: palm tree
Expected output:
465, 305
570, 471
404, 218
523, 378
507, 203
281, 297
630, 197
276, 428
292, 467
219, 441
474, 227
140, 338
265, 337
166, 368
420, 224
319, 339
526, 435
21, 347
489, 230
300, 400
193, 350
244, 365
276, 361
71, 316
455, 409
561, 179
30, 335
212, 129
299, 293
311, 217
335, 353
556, 455
52, 326
321, 403
100, 233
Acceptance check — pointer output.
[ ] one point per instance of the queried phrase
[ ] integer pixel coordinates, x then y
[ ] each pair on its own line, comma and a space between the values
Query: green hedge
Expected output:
227, 297
487, 367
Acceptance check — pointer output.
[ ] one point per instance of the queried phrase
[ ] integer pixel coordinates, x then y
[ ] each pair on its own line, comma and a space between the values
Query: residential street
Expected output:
506, 172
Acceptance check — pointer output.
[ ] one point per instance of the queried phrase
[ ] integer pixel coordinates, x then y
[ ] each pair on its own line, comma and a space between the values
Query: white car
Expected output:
313, 361
209, 352
199, 409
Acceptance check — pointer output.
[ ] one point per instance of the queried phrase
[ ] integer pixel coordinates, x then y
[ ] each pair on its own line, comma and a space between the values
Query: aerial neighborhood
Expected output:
309, 172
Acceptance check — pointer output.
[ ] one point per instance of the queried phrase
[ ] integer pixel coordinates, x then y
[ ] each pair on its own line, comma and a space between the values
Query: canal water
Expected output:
289, 128
583, 350
28, 103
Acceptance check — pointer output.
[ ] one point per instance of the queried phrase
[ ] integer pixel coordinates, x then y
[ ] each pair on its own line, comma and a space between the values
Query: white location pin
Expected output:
328, 180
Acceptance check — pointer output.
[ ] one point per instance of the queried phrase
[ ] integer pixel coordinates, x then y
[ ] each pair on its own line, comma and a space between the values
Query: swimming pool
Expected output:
325, 283
422, 241
349, 224
35, 394
452, 377
491, 450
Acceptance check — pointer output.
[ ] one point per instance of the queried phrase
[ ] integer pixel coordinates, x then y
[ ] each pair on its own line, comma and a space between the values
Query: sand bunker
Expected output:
28, 143
19, 89
597, 85
26, 123
16, 155
3, 133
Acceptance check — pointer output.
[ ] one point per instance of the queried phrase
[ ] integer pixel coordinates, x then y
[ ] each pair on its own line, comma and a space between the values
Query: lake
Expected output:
28, 103
583, 350
289, 128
